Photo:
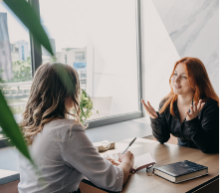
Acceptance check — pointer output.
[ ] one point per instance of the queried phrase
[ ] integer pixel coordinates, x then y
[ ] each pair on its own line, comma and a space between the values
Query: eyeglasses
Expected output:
150, 170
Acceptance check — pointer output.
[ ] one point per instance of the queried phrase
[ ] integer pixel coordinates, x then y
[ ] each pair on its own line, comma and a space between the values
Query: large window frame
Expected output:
37, 61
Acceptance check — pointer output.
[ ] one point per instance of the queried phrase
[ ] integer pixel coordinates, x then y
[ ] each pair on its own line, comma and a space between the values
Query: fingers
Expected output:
202, 105
152, 109
113, 161
145, 106
149, 109
187, 114
110, 159
199, 104
153, 112
127, 154
191, 109
194, 106
150, 105
194, 110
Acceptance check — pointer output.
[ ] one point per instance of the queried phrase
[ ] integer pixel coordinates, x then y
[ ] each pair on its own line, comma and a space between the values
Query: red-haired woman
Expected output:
190, 111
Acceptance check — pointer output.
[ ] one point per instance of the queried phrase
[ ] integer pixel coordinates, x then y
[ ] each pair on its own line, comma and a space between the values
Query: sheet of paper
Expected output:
138, 160
143, 159
6, 173
119, 148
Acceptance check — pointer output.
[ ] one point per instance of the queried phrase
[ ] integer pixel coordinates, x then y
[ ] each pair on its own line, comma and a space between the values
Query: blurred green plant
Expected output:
11, 129
1, 71
86, 106
53, 59
22, 70
1, 80
25, 12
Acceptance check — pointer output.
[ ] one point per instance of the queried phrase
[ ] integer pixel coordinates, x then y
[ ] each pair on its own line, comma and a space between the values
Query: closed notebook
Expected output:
181, 171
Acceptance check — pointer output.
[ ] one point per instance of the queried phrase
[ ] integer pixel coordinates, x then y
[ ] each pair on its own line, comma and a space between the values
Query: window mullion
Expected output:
139, 55
36, 55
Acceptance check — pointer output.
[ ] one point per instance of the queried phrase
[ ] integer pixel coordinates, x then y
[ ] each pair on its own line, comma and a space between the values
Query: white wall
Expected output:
159, 55
193, 26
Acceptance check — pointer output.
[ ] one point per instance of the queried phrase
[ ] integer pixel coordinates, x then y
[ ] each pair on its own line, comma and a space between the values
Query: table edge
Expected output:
91, 184
203, 184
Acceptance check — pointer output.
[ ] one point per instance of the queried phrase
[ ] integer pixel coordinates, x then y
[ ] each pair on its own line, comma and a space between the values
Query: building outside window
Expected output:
15, 61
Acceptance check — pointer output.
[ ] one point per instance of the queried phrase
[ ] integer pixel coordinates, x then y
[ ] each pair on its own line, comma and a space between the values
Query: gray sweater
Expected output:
64, 155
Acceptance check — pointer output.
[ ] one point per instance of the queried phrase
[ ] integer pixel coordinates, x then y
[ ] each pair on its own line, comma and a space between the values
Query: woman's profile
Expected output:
58, 145
190, 111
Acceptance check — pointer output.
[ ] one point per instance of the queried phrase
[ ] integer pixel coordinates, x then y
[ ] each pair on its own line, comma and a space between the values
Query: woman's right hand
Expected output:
149, 109
127, 157
127, 162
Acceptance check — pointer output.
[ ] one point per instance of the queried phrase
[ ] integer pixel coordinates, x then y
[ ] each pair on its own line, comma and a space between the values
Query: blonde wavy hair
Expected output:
47, 98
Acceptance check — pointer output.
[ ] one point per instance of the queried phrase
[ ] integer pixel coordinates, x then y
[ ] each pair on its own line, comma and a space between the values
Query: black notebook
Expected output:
181, 171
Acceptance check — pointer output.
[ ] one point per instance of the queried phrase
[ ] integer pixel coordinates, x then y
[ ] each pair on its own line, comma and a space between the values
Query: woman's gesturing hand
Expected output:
194, 110
149, 109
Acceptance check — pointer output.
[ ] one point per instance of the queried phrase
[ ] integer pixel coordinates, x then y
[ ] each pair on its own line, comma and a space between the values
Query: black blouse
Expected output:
201, 132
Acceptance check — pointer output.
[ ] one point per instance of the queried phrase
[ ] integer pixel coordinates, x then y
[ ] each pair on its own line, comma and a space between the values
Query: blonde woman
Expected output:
58, 145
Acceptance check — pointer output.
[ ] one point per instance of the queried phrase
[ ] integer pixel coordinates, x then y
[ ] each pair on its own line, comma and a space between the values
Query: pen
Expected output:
129, 145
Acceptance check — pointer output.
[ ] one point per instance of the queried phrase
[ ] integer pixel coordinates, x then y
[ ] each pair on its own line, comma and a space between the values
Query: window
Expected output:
15, 61
86, 35
101, 46
65, 59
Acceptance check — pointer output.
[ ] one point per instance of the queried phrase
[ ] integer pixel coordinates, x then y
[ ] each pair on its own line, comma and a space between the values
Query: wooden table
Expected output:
166, 154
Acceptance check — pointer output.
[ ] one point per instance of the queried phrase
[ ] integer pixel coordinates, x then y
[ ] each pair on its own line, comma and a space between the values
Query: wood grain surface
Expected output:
166, 154
11, 187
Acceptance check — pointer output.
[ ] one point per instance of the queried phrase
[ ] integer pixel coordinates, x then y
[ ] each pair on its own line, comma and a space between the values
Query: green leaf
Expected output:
27, 14
86, 105
11, 129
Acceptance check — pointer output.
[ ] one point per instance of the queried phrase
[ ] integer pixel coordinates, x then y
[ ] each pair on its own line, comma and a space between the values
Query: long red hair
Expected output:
198, 80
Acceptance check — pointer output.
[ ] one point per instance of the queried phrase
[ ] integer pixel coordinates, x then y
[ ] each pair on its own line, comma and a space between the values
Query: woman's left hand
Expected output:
112, 161
194, 110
